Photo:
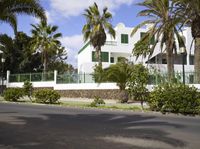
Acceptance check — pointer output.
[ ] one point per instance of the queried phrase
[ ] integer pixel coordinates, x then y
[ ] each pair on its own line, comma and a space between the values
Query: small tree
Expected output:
28, 88
118, 73
99, 74
137, 83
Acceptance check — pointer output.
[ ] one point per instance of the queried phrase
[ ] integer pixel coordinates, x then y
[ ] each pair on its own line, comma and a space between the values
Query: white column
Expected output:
7, 78
55, 76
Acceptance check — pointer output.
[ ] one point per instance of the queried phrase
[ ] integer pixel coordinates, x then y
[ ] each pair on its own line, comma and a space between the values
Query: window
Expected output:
191, 60
104, 56
164, 61
152, 41
112, 60
124, 38
185, 59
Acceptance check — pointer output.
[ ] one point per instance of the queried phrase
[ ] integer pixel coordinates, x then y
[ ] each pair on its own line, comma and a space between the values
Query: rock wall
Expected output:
104, 94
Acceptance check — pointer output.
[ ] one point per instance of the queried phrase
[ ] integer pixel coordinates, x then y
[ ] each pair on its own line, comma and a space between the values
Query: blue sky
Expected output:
67, 15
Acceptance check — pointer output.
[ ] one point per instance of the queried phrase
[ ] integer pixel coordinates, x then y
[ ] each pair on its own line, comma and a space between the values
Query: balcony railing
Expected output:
111, 43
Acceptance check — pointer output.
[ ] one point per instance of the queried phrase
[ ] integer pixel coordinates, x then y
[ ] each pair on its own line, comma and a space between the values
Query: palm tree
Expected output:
118, 73
163, 29
11, 54
11, 8
45, 40
189, 11
95, 28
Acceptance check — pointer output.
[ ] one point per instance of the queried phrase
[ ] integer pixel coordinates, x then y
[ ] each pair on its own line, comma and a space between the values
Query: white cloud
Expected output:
69, 8
48, 15
72, 44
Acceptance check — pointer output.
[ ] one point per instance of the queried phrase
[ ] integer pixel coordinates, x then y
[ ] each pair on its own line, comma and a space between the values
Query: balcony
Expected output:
111, 43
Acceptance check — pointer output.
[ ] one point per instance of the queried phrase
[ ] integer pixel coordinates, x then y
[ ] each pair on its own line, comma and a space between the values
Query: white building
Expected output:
122, 46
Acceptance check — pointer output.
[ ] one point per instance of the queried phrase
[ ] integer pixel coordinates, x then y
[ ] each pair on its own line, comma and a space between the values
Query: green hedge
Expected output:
176, 98
13, 94
46, 96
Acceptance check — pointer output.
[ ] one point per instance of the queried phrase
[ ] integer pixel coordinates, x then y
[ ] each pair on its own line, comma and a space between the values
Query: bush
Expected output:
46, 96
28, 88
176, 98
13, 94
97, 102
137, 83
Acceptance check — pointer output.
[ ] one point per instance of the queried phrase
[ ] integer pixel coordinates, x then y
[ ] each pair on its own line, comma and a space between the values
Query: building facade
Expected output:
123, 45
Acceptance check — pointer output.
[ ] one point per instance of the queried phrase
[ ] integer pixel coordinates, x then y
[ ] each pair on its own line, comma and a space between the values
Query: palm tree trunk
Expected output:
170, 58
99, 56
45, 62
197, 60
170, 65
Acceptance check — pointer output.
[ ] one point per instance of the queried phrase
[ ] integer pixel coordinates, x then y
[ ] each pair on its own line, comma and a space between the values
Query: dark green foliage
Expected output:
28, 88
13, 94
45, 38
10, 9
99, 74
97, 102
137, 83
176, 98
118, 73
46, 96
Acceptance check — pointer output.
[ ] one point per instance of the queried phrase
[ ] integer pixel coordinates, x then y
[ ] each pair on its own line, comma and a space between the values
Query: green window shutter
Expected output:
142, 34
104, 56
124, 38
152, 41
94, 59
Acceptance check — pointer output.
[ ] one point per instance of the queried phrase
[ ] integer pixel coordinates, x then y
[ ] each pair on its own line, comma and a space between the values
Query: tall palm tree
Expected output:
95, 28
163, 29
11, 8
45, 39
11, 54
189, 11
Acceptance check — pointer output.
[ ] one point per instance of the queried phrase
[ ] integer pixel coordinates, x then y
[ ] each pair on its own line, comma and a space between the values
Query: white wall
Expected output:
35, 84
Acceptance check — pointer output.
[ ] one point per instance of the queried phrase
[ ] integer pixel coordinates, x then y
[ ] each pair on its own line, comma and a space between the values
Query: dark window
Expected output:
191, 60
112, 60
185, 60
104, 56
164, 61
124, 38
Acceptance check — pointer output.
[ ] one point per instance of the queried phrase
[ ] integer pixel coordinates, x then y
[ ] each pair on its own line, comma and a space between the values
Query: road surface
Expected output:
52, 127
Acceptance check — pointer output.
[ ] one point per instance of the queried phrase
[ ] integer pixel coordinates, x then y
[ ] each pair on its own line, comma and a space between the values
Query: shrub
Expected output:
28, 88
46, 96
137, 83
97, 102
13, 94
176, 98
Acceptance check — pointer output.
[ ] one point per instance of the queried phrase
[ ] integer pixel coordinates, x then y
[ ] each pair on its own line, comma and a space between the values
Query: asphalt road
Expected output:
49, 127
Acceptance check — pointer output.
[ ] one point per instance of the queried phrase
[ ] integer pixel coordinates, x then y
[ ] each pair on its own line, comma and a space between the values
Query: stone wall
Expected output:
104, 94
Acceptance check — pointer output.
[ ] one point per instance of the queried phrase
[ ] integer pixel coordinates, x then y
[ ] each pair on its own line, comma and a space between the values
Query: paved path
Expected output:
49, 127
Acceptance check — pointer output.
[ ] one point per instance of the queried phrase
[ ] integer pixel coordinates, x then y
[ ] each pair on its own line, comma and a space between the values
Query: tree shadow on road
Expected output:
87, 131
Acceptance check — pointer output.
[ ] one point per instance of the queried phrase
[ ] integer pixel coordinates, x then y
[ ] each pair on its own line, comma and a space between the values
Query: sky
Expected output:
68, 16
